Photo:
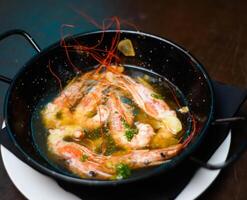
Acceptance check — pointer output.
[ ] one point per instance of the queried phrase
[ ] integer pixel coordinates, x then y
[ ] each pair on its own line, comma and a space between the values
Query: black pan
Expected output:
35, 82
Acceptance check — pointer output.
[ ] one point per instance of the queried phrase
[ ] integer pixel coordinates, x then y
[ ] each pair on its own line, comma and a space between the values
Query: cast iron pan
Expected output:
35, 82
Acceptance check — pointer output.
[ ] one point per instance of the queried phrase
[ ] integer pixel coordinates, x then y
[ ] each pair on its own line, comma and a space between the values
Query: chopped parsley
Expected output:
105, 129
109, 144
157, 96
98, 149
122, 171
84, 158
125, 124
92, 135
129, 132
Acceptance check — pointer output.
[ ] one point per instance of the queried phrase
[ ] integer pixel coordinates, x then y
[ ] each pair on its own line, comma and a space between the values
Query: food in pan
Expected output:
106, 123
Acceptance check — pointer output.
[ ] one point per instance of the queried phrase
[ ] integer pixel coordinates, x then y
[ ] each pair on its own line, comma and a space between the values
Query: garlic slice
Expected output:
173, 124
125, 46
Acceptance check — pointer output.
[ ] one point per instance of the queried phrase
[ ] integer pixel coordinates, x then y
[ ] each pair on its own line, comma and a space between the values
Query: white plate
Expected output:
34, 185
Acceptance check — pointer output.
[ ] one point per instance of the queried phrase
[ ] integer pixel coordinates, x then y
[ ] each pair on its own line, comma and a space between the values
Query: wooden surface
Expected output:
214, 31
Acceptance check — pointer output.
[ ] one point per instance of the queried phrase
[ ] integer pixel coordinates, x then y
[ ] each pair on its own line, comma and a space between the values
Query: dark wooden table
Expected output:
213, 30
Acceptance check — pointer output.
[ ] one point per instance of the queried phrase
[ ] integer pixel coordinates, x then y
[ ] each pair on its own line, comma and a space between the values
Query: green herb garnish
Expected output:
123, 171
98, 149
84, 158
110, 145
125, 124
157, 96
92, 135
129, 132
105, 129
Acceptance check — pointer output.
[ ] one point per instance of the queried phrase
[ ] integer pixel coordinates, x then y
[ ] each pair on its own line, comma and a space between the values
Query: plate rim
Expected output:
182, 195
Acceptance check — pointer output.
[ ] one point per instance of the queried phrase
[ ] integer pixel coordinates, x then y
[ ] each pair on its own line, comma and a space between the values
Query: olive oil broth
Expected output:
100, 140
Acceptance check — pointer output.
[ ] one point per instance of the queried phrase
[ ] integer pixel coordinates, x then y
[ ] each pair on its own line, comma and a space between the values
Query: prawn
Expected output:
120, 123
90, 113
147, 100
85, 163
58, 112
78, 102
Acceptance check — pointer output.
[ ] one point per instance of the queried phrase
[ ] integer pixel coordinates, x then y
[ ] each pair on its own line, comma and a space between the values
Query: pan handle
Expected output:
27, 37
230, 160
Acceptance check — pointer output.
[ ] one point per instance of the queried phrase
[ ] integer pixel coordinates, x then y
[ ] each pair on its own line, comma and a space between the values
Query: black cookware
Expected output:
34, 81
